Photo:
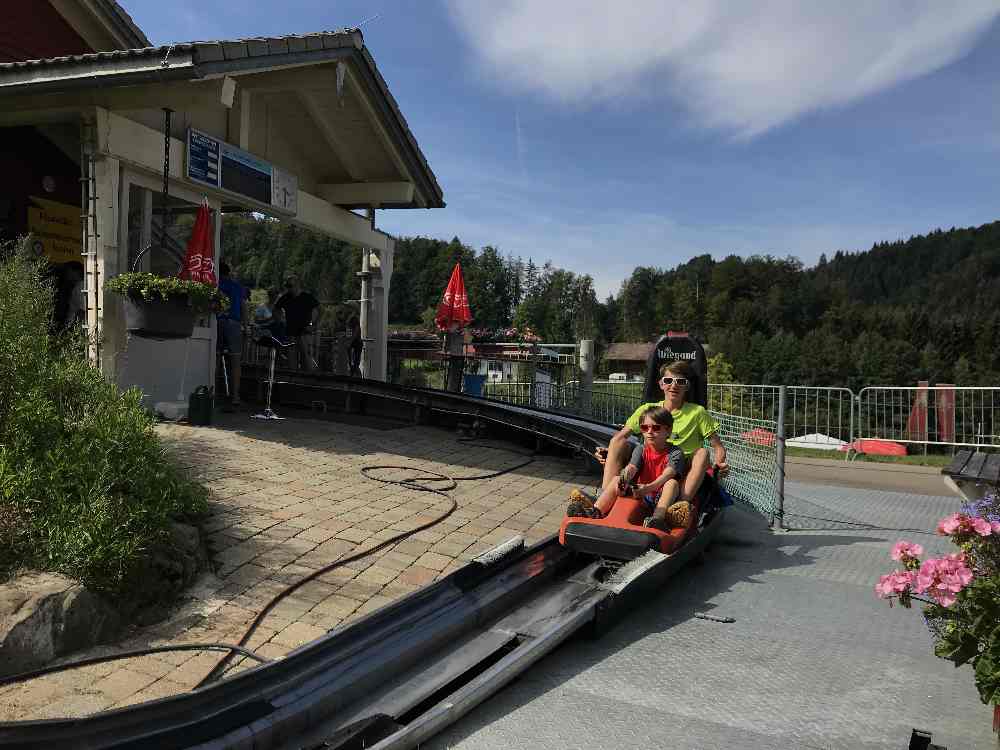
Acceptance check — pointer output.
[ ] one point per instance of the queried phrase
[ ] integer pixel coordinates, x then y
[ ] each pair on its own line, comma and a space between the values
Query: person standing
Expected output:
355, 346
230, 342
300, 310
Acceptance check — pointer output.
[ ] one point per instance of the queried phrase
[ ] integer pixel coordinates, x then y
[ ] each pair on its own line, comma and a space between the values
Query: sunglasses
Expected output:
671, 381
654, 428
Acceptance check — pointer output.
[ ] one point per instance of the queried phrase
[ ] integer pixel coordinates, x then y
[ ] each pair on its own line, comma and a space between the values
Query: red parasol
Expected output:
453, 312
199, 263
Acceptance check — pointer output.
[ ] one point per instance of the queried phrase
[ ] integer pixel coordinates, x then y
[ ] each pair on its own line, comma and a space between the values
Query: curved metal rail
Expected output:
398, 675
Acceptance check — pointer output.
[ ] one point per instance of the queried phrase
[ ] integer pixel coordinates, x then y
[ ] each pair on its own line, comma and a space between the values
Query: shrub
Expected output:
86, 488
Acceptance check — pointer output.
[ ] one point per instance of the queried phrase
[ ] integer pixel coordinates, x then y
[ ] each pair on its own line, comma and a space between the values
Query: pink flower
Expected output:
906, 551
894, 583
943, 577
981, 526
960, 524
995, 525
949, 525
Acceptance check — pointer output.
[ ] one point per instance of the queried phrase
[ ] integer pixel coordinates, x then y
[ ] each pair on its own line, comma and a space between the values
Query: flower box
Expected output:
170, 318
164, 307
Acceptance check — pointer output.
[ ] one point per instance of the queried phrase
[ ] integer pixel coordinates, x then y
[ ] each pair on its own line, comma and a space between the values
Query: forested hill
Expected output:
926, 308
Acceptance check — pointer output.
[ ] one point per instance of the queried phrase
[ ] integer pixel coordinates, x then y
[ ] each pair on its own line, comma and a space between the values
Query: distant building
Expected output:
628, 358
631, 359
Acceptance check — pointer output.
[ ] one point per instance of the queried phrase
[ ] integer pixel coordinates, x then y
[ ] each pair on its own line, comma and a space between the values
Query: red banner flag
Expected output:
199, 260
453, 313
916, 425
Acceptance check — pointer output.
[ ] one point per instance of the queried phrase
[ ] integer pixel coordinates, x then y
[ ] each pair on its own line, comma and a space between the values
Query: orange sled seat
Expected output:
620, 535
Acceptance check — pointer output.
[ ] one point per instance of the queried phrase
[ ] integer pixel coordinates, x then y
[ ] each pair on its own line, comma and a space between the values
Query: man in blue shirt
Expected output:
231, 327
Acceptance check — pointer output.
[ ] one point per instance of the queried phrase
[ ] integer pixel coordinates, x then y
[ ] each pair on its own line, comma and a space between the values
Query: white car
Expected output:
617, 377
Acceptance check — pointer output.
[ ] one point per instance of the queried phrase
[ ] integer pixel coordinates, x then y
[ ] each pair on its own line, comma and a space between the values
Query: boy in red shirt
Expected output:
659, 466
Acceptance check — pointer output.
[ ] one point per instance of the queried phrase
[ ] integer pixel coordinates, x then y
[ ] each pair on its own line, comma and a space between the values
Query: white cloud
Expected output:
737, 66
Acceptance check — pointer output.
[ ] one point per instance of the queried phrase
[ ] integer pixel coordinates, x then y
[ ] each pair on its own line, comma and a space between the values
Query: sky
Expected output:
602, 137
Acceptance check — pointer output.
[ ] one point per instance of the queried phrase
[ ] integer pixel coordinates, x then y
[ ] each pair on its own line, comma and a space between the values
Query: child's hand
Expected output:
601, 454
625, 481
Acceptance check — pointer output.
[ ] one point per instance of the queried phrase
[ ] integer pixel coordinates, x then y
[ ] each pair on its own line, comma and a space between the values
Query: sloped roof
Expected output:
629, 352
122, 21
195, 60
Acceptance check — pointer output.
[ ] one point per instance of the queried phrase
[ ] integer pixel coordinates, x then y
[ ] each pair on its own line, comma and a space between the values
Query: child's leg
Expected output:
668, 495
695, 475
608, 496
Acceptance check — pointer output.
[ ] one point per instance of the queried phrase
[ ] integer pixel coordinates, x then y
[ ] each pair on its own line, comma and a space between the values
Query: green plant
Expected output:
202, 297
86, 488
963, 611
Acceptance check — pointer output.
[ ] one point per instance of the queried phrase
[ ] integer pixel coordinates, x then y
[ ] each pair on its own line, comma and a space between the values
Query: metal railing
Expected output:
938, 415
602, 406
815, 417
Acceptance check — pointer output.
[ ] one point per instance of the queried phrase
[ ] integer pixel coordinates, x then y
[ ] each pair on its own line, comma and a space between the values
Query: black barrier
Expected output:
672, 347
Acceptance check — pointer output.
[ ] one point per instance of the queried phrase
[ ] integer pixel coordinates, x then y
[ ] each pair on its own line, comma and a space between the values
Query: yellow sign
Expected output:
55, 230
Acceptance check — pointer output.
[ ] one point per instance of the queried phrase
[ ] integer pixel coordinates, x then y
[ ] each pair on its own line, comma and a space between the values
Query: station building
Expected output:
105, 139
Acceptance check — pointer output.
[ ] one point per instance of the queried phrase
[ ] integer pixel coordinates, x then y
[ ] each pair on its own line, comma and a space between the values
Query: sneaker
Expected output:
679, 515
652, 522
579, 505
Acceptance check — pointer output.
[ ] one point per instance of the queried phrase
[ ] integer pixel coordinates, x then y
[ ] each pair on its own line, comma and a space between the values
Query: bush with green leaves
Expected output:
86, 488
202, 297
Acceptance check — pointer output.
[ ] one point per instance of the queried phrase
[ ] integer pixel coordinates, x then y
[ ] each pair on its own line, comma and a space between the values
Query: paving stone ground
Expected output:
289, 498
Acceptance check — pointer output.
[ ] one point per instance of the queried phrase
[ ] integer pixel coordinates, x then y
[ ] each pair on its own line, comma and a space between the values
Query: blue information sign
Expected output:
203, 158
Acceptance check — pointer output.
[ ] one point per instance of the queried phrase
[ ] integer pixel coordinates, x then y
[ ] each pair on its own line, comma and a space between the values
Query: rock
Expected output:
46, 615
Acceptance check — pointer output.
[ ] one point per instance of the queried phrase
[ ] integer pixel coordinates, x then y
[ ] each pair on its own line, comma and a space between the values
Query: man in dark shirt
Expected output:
300, 311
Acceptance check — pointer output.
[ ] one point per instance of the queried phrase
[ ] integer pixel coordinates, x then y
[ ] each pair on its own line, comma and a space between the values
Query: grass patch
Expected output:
86, 488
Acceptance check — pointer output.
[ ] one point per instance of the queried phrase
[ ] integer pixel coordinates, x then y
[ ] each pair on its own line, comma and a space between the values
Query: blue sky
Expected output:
602, 138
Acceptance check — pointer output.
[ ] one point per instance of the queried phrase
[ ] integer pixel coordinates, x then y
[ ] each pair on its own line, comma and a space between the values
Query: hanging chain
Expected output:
166, 173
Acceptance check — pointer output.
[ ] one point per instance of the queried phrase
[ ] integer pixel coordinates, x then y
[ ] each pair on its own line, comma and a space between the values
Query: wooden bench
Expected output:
971, 472
974, 467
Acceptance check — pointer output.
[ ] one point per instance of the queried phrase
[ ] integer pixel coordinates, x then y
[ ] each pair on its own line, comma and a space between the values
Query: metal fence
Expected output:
836, 419
816, 417
597, 404
939, 415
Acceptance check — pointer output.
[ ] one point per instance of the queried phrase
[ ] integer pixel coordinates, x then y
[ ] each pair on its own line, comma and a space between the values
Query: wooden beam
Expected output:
366, 193
337, 144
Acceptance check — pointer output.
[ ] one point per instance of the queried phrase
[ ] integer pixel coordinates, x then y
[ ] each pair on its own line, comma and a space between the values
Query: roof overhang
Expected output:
264, 67
103, 24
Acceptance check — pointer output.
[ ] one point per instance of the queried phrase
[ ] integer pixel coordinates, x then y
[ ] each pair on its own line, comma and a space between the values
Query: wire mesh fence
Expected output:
817, 418
754, 473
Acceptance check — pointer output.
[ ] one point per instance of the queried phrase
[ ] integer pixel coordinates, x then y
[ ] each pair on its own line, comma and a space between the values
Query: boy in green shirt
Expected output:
693, 425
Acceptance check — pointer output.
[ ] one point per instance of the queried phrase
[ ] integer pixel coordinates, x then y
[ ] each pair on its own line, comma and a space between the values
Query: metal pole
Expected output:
366, 297
586, 387
780, 457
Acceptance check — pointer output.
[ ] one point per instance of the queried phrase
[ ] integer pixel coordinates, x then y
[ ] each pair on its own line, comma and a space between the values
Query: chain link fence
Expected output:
754, 472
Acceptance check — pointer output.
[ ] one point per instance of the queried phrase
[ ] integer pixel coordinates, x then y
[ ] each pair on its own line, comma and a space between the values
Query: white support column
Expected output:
110, 325
379, 321
366, 306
